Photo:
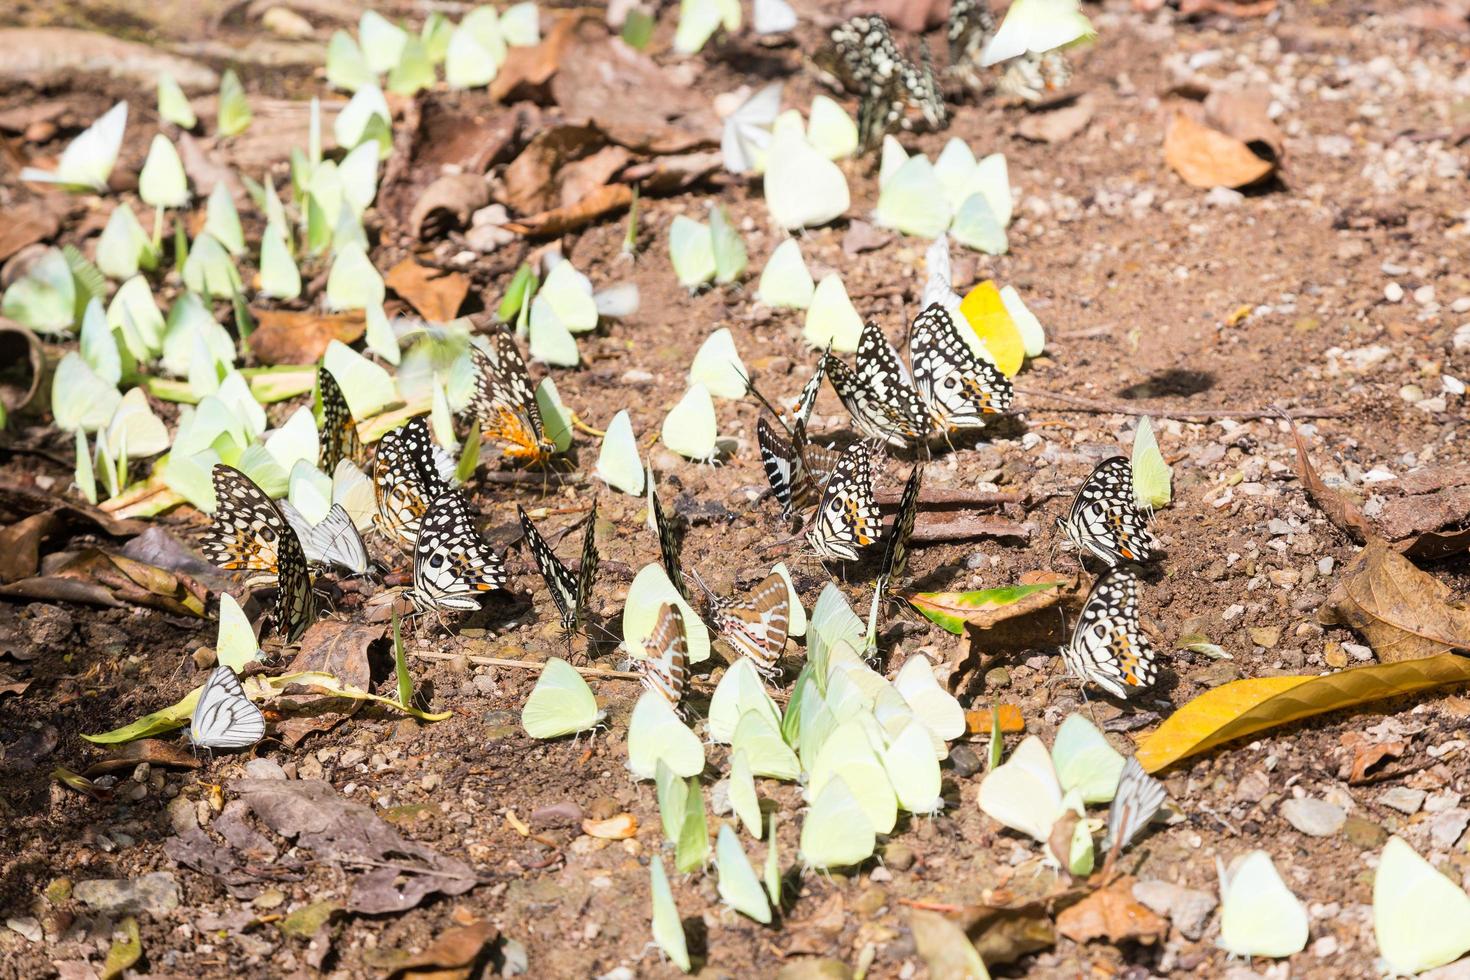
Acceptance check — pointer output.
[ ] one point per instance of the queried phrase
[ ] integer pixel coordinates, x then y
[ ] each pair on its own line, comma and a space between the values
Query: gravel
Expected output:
1317, 818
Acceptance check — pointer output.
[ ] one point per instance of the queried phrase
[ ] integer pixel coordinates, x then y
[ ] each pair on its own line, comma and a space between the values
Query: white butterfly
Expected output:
1138, 798
334, 540
747, 132
224, 718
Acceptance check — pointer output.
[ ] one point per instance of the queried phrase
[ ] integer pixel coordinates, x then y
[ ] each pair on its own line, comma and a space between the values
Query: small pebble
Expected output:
1403, 799
1252, 787
1393, 292
964, 761
1316, 818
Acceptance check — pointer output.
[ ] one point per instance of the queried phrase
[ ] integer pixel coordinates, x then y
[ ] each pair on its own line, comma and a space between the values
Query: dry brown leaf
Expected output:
28, 223
301, 336
607, 199
946, 950
1446, 509
666, 174
618, 827
39, 53
1367, 754
587, 175
1337, 508
336, 648
436, 293
1230, 8
1112, 913
1206, 157
531, 179
130, 582
986, 608
1404, 613
153, 751
1057, 125
447, 204
454, 953
1245, 114
528, 69
1256, 704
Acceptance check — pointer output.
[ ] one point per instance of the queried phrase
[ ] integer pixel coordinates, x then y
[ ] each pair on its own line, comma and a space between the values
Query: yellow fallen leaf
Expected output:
1245, 707
988, 317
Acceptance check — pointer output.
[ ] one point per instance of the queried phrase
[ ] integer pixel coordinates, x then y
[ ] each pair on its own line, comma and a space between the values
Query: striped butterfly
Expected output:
334, 540
895, 552
958, 386
570, 591
249, 534
879, 394
224, 718
453, 565
848, 515
1108, 646
505, 403
665, 666
756, 625
668, 542
1138, 798
795, 467
1105, 521
339, 436
407, 477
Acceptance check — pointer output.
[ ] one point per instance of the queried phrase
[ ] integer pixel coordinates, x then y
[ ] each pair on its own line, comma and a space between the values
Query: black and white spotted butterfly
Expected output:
795, 467
1030, 77
665, 664
1138, 798
668, 541
224, 718
847, 518
879, 394
250, 534
957, 385
895, 551
569, 590
1105, 521
339, 438
334, 540
408, 475
894, 92
1108, 647
453, 564
505, 403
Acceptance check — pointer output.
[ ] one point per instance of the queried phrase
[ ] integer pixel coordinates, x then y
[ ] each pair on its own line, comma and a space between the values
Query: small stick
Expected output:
597, 672
964, 530
955, 498
517, 477
577, 423
1205, 414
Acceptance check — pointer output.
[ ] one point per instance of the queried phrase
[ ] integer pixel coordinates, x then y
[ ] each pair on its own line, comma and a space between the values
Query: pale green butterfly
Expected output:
80, 400
691, 429
520, 25
367, 387
976, 226
650, 590
672, 793
1036, 27
309, 491
414, 70
1152, 477
222, 221
913, 769
124, 247
655, 735
747, 130
1032, 334
831, 130
785, 282
796, 625
913, 200
739, 690
931, 704
831, 318
134, 425
382, 41
699, 19
890, 158
279, 276
45, 298
297, 439
358, 175
347, 69
234, 114
161, 182
435, 35
189, 319
668, 929
561, 703
717, 366
802, 188
738, 886
618, 462
682, 812
848, 755
765, 751
955, 168
1259, 916
554, 415
87, 161
836, 832
484, 23
354, 124
743, 799
1420, 918
865, 681
832, 620
550, 340
773, 864
727, 245
235, 646
1023, 793
569, 293
209, 270
353, 283
692, 251
1085, 761
189, 477
380, 336
173, 104
467, 63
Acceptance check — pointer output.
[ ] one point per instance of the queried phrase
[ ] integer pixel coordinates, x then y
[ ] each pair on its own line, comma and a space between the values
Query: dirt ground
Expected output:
1155, 295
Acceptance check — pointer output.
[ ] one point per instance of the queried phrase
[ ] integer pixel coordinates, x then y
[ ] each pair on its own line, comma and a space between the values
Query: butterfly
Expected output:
1108, 646
1029, 77
665, 666
668, 543
756, 625
958, 386
1137, 799
794, 467
452, 563
879, 394
1104, 519
505, 403
334, 540
338, 432
249, 534
406, 479
224, 718
570, 591
848, 515
895, 552
861, 57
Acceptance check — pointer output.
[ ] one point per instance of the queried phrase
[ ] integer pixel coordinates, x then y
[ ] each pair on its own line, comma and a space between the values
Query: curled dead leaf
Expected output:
1245, 114
618, 827
1206, 157
301, 336
1112, 913
447, 204
1338, 509
1404, 613
607, 199
455, 952
437, 294
946, 950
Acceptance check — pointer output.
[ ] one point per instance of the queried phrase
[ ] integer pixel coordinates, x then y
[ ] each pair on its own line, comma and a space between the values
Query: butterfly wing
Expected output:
224, 718
295, 600
247, 528
848, 515
588, 571
808, 396
1103, 518
1108, 646
878, 395
756, 626
665, 668
405, 480
668, 542
453, 566
1138, 798
559, 579
957, 385
505, 403
339, 438
895, 552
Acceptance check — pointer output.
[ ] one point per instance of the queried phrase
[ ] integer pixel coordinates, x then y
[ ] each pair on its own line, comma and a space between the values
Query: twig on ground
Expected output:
954, 498
967, 529
1097, 405
598, 672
